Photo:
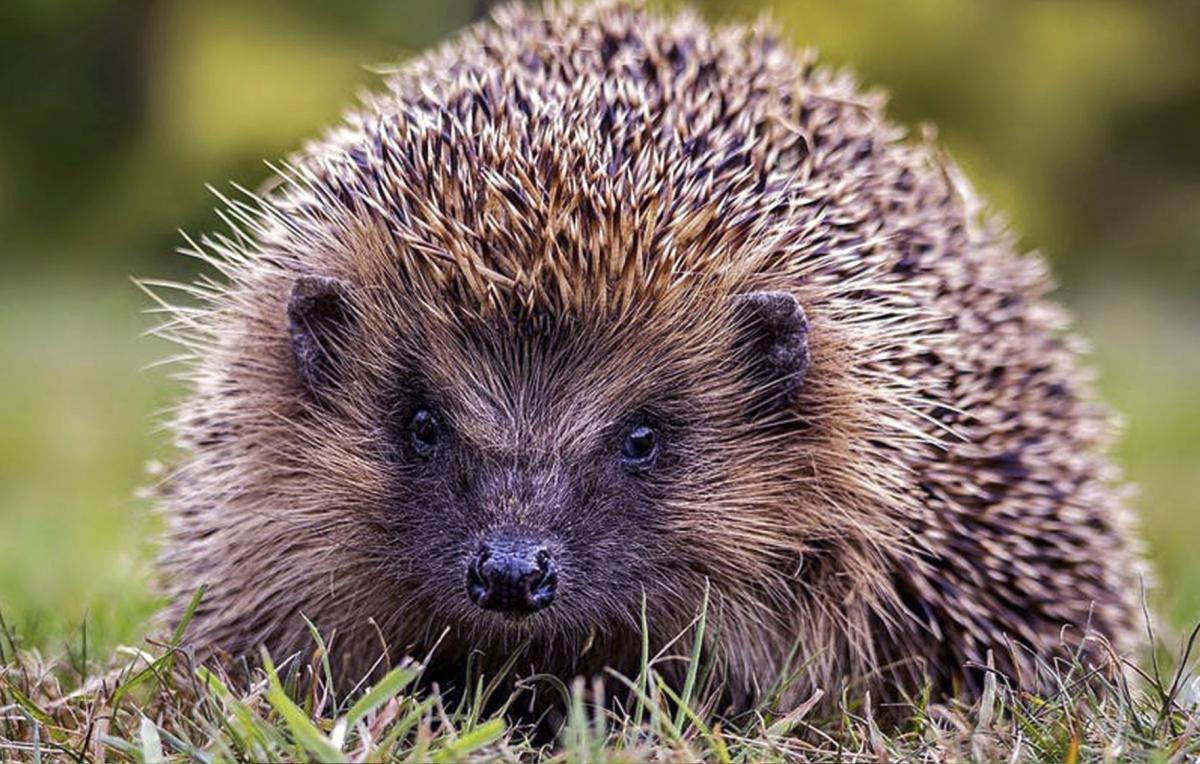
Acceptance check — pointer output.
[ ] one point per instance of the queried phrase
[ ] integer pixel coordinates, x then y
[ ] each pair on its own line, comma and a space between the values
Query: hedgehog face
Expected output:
518, 519
539, 480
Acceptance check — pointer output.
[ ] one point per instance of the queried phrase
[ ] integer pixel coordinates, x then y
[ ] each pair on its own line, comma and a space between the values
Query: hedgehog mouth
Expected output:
506, 630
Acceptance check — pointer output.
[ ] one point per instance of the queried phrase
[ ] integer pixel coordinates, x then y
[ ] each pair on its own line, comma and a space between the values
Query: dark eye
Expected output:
640, 446
425, 431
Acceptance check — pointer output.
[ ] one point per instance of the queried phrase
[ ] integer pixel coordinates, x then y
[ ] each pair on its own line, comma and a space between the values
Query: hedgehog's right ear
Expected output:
318, 316
772, 330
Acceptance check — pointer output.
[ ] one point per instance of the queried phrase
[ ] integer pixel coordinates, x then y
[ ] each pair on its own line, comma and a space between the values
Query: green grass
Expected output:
156, 705
1148, 354
77, 423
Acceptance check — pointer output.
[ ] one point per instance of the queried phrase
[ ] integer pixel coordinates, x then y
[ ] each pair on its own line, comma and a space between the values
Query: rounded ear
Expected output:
773, 334
318, 316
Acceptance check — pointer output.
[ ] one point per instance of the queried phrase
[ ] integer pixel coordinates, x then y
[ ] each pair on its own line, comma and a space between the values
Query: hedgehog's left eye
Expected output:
425, 431
640, 447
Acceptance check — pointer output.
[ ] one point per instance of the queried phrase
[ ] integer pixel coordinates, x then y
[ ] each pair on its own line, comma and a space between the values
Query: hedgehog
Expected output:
594, 316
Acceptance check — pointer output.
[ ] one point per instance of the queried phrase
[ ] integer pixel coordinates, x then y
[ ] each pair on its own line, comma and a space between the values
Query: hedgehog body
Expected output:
681, 312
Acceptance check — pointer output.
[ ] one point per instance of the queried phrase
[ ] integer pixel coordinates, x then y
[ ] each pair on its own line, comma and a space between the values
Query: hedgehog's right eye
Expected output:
425, 431
640, 447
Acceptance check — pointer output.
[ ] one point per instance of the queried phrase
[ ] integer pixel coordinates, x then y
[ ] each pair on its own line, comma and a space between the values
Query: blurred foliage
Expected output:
117, 112
1079, 119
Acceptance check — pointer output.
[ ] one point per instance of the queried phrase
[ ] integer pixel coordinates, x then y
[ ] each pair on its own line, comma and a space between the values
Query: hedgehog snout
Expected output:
512, 574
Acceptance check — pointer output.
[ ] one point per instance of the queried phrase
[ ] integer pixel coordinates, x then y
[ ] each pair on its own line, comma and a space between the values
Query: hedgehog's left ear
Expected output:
773, 331
318, 316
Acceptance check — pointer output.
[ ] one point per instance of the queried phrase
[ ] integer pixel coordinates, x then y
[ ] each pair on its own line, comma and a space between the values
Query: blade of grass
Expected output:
156, 669
184, 747
248, 732
644, 672
152, 752
480, 737
37, 738
188, 614
576, 734
715, 745
689, 683
389, 687
659, 722
325, 668
400, 730
304, 732
30, 707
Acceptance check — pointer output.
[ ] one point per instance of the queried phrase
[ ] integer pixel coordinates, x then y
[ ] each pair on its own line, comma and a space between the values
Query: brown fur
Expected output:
546, 218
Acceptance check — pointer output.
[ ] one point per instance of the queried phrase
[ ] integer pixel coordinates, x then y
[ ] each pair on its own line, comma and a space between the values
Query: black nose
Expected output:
512, 576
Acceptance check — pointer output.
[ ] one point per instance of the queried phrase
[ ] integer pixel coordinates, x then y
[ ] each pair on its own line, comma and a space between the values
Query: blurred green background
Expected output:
1079, 120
